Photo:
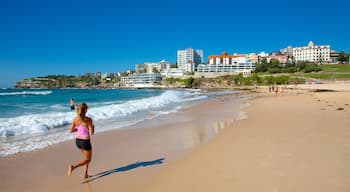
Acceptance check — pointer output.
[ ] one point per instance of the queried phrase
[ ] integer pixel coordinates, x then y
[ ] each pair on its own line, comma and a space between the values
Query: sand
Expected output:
124, 160
288, 143
296, 141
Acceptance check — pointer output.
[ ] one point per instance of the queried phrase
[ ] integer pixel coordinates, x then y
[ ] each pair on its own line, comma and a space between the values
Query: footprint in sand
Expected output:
340, 108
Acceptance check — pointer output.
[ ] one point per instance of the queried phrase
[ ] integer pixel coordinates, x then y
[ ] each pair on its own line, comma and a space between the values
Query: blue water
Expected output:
36, 118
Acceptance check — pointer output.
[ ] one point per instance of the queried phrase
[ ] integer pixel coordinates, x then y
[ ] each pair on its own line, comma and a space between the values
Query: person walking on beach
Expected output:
276, 89
72, 104
84, 127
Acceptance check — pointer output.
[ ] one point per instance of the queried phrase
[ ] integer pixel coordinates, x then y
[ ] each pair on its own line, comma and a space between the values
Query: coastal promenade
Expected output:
298, 140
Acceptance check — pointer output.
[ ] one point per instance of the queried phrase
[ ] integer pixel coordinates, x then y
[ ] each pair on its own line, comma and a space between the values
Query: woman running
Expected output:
84, 127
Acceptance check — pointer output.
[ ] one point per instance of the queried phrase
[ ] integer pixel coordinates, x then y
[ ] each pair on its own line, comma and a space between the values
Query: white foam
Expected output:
34, 124
39, 123
32, 144
26, 93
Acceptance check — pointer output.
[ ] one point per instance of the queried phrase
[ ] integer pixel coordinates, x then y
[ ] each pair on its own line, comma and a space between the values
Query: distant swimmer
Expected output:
84, 127
72, 104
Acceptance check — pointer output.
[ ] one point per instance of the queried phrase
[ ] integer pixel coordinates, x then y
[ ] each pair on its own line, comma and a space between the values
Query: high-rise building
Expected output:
188, 59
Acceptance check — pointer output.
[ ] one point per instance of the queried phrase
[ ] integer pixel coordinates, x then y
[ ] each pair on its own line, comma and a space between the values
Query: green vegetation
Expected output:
336, 68
234, 80
188, 83
275, 67
327, 76
255, 79
173, 80
343, 58
58, 81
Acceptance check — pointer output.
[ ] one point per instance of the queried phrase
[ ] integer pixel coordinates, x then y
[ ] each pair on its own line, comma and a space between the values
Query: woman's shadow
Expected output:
122, 169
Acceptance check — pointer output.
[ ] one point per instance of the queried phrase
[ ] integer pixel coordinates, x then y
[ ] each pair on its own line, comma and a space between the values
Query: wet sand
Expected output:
123, 160
295, 142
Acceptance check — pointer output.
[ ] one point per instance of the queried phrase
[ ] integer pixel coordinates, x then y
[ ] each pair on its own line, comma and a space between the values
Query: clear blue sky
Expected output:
42, 37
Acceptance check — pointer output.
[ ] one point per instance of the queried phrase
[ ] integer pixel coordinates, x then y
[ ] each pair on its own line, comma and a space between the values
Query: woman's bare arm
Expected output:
72, 127
91, 127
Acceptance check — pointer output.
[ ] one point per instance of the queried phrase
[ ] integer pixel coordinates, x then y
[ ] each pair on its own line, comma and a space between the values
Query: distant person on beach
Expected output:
84, 127
276, 89
72, 104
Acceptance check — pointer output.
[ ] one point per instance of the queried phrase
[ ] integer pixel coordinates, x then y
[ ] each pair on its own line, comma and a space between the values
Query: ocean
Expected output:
37, 118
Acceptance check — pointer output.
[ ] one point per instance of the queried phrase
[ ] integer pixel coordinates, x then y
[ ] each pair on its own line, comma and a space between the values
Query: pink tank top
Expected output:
83, 131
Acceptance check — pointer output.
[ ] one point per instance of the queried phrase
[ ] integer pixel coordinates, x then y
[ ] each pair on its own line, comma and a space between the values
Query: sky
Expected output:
73, 37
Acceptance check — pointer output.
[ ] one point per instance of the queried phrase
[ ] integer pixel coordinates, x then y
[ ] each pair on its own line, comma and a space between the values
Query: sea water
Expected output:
36, 118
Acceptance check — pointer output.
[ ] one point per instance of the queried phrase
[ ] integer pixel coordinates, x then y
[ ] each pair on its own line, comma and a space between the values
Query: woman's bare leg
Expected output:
87, 155
86, 161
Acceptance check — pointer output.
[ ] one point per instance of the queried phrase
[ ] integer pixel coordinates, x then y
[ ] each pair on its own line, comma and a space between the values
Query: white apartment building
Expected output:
188, 59
148, 67
141, 80
312, 53
287, 51
227, 64
226, 68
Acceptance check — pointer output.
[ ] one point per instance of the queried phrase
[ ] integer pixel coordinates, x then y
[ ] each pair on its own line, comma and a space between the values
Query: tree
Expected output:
300, 65
261, 67
342, 58
188, 82
274, 63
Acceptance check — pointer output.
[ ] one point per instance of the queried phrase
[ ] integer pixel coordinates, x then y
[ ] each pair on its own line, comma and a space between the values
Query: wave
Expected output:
41, 123
26, 93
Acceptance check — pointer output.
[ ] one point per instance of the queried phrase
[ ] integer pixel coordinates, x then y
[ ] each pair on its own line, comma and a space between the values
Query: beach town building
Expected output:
334, 57
150, 67
141, 80
227, 64
140, 68
173, 72
189, 59
287, 51
254, 58
311, 53
261, 56
281, 58
226, 59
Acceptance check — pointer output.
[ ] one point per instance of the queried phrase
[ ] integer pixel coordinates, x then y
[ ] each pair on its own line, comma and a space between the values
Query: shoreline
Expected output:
296, 141
167, 137
139, 114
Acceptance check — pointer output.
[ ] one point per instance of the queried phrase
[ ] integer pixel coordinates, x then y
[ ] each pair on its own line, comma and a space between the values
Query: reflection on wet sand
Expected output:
199, 135
219, 127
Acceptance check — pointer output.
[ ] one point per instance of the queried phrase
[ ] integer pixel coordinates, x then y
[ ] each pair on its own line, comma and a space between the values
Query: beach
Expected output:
124, 159
295, 141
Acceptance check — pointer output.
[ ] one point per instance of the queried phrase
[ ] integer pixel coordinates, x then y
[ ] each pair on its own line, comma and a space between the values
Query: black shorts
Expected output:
84, 144
72, 107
